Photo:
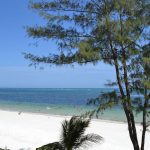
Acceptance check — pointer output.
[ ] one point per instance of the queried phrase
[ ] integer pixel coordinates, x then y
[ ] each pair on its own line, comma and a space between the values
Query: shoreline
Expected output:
66, 116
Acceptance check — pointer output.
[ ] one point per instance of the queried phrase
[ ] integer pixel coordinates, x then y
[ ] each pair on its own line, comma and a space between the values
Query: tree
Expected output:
72, 136
89, 31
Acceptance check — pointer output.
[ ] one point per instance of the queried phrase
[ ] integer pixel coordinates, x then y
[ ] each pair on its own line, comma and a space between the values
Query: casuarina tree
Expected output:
113, 31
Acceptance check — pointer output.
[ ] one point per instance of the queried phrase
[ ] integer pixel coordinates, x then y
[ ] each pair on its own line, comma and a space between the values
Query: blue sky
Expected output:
14, 69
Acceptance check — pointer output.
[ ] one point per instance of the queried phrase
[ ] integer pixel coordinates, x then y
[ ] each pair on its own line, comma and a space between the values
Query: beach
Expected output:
19, 130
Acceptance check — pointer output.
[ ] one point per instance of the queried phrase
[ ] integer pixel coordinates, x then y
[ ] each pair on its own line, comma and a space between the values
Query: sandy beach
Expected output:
29, 131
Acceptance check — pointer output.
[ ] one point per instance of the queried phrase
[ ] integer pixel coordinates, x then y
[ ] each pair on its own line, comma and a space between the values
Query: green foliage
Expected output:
86, 28
104, 101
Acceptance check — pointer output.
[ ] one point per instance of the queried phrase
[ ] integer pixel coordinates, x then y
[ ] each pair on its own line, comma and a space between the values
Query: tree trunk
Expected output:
144, 120
132, 127
132, 136
128, 112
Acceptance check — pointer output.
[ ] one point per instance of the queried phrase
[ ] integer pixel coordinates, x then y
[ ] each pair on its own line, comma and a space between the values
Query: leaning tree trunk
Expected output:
144, 119
132, 134
132, 127
128, 112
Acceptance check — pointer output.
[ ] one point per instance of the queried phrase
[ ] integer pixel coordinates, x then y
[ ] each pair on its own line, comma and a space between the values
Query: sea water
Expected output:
57, 101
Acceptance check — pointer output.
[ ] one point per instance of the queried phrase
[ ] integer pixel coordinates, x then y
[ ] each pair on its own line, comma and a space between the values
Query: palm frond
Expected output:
88, 139
73, 130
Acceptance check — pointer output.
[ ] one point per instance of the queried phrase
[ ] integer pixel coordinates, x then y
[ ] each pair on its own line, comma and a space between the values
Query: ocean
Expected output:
56, 101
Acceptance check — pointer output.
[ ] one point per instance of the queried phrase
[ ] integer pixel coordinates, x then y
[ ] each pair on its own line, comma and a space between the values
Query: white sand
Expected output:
29, 131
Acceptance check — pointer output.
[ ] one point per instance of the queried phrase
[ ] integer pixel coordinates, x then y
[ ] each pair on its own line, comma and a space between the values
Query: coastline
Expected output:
32, 130
66, 116
58, 102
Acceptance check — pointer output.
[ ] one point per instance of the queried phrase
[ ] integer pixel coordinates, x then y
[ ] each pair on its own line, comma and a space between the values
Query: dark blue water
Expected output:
55, 101
50, 96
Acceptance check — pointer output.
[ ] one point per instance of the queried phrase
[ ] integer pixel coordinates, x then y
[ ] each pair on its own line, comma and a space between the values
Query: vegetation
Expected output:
4, 149
113, 31
72, 136
51, 146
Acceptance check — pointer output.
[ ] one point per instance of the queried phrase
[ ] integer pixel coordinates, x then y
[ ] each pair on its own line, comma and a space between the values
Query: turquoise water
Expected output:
56, 102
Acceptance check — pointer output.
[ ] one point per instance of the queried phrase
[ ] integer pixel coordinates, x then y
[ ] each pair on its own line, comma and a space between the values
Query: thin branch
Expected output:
70, 10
